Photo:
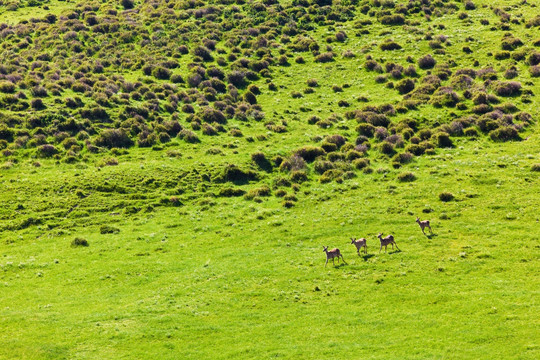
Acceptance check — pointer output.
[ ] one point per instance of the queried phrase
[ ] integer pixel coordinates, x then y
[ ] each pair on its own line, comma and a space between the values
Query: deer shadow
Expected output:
430, 236
366, 257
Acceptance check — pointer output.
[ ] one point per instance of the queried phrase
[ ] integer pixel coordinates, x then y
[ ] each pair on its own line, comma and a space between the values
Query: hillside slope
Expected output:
171, 171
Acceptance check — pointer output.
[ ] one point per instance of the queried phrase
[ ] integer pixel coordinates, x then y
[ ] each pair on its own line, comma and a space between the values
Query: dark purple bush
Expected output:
426, 62
507, 88
46, 151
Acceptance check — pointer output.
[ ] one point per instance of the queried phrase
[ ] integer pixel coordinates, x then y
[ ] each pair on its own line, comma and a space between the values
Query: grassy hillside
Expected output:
172, 169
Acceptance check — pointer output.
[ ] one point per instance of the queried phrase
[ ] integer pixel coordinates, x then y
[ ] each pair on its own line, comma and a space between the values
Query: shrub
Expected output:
230, 192
329, 175
535, 71
79, 242
161, 73
426, 62
329, 147
386, 148
299, 176
389, 45
309, 153
258, 192
261, 161
295, 162
534, 59
336, 139
415, 149
406, 177
321, 166
405, 86
234, 174
403, 158
470, 132
288, 204
7, 87
535, 167
365, 129
312, 83
37, 104
507, 88
209, 130
353, 155
360, 163
113, 138
46, 151
107, 229
325, 57
446, 196
394, 19
505, 133
189, 136
443, 140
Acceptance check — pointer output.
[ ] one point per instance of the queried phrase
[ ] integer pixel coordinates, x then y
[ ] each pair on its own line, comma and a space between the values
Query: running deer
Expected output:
424, 224
331, 254
387, 240
360, 243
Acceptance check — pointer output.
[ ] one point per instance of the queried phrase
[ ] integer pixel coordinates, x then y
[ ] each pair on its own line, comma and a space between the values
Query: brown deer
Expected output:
360, 243
331, 254
387, 240
424, 224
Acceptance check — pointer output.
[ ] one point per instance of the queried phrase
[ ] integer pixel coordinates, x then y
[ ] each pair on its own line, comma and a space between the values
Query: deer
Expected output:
424, 224
360, 243
331, 254
387, 240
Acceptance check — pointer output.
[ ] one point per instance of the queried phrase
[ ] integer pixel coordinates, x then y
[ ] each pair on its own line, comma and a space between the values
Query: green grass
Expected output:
241, 279
192, 274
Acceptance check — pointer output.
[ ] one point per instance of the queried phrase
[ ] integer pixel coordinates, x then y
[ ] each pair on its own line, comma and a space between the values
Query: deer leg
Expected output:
326, 262
397, 247
365, 249
343, 259
431, 231
380, 249
333, 263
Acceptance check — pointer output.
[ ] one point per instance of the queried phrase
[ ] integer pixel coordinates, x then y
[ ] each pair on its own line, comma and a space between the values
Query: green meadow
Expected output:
171, 170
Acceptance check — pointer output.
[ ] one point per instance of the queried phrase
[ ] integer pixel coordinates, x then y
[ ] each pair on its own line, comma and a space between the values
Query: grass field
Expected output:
150, 245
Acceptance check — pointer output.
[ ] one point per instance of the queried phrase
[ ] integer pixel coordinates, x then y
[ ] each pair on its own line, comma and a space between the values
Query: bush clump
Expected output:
310, 153
406, 177
426, 62
403, 158
230, 192
114, 138
507, 88
232, 173
47, 150
361, 163
446, 196
107, 229
299, 176
389, 45
330, 175
258, 192
79, 242
405, 86
443, 140
504, 133
535, 167
261, 161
